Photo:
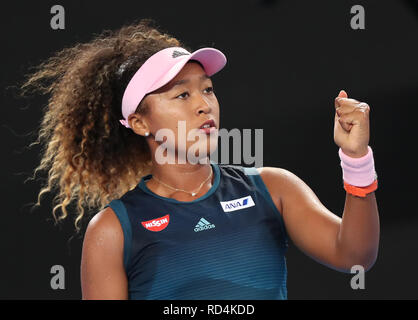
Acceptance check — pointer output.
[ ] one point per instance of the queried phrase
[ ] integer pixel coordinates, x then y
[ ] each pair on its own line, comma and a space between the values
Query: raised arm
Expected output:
319, 233
335, 242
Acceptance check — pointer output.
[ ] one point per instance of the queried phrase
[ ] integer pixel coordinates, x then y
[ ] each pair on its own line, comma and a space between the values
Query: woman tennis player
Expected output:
183, 229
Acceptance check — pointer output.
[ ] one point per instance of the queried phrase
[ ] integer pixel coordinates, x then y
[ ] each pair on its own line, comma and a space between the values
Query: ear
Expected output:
138, 123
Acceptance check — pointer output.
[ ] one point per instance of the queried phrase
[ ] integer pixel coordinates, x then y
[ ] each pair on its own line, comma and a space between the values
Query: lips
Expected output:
208, 127
208, 124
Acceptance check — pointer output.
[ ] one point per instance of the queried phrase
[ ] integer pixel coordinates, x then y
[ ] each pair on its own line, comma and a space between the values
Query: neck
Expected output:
186, 176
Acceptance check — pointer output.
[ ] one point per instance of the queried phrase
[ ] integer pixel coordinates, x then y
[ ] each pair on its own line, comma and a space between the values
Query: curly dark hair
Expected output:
89, 155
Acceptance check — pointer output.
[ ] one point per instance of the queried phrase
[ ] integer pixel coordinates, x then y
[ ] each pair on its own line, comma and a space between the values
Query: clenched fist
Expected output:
351, 125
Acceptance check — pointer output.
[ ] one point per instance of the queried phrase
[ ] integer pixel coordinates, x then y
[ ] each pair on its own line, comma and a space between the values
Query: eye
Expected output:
181, 96
185, 94
210, 89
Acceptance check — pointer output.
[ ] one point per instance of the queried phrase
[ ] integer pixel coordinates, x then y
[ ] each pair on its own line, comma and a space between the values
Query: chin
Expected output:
200, 152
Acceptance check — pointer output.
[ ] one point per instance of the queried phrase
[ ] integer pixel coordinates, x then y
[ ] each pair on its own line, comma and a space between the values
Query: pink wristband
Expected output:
359, 172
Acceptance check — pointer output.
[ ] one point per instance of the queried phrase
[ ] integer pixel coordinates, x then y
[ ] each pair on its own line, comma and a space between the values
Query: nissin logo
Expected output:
237, 204
157, 224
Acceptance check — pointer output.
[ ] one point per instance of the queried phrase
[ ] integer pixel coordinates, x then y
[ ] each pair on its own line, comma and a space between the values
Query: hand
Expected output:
351, 125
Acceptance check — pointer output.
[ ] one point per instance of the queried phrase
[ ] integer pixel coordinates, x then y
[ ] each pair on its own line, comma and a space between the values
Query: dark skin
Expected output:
193, 102
338, 243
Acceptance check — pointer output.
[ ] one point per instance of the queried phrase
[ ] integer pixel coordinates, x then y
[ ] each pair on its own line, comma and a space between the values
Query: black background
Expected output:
287, 61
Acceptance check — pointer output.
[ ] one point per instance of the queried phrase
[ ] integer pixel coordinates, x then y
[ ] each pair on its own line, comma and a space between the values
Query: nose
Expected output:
203, 105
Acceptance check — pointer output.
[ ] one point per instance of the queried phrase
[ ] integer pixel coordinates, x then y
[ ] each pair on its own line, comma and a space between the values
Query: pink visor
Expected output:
160, 68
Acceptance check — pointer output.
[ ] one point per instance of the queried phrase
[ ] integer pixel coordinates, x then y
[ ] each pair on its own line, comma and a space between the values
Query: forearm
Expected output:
358, 237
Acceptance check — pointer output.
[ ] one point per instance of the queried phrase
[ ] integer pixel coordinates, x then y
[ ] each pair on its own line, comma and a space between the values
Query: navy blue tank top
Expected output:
228, 244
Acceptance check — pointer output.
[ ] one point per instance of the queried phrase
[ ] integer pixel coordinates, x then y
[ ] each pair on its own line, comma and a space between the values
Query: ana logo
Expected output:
237, 204
157, 224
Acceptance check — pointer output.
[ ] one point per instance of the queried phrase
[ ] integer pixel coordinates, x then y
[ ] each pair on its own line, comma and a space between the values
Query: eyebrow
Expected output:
179, 82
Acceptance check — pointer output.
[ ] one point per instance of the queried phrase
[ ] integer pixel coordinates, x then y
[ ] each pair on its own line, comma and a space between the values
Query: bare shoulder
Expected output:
273, 172
279, 183
102, 269
104, 230
273, 178
290, 190
279, 178
104, 219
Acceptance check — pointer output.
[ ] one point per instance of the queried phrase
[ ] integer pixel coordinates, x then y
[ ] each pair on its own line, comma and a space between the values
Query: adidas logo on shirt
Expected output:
237, 204
203, 224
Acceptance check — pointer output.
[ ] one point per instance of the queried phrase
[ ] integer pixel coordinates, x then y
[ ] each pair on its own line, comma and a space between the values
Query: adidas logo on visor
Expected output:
179, 53
203, 224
